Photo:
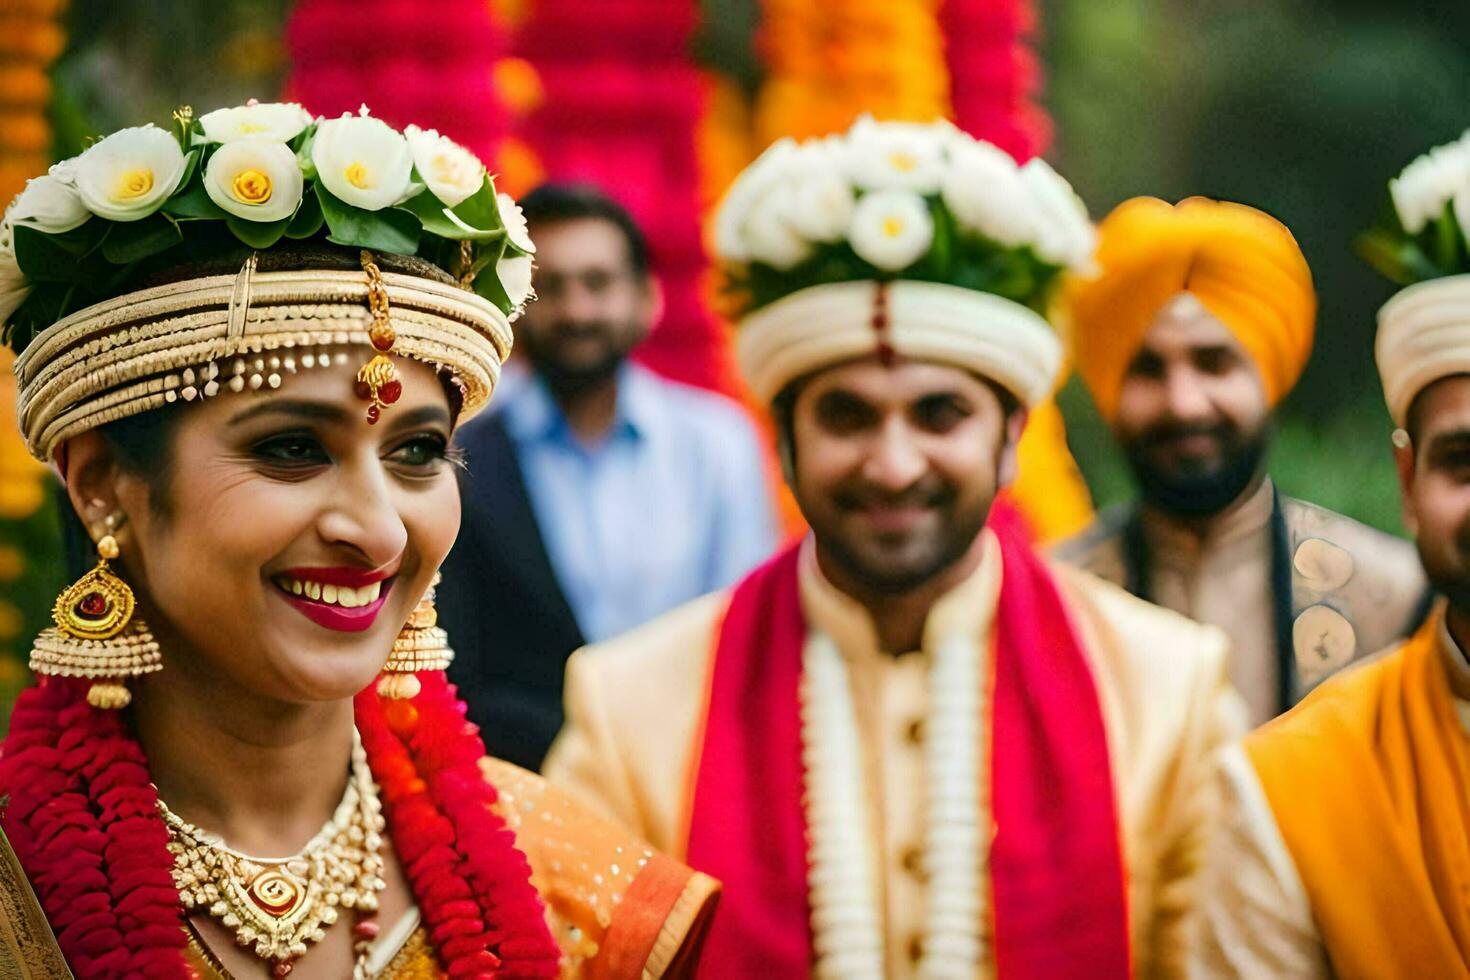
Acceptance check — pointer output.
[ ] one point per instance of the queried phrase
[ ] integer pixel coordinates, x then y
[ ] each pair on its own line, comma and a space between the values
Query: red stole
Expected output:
1056, 868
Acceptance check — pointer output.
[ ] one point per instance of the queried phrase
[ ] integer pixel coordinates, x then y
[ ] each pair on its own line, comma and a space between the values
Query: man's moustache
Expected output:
1161, 434
861, 498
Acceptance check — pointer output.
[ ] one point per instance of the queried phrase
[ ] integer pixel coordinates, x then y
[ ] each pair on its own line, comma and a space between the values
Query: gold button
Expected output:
915, 732
916, 948
913, 862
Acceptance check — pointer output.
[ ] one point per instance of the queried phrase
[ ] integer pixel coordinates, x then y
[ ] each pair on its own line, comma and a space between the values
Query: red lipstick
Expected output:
353, 578
307, 589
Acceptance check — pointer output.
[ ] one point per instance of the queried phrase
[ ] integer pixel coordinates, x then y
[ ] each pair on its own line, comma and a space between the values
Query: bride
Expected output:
245, 346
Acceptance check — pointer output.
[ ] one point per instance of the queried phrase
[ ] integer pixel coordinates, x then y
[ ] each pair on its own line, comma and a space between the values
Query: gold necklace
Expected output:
280, 905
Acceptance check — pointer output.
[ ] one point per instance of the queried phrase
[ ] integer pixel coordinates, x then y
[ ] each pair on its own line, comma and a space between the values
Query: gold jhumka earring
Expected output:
421, 645
96, 635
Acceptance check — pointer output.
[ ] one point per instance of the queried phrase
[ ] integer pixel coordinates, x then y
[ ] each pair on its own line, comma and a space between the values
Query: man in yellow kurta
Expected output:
908, 745
1198, 323
1346, 851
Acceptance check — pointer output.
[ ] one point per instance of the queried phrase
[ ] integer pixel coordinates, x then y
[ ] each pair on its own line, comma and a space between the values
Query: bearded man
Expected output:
1346, 852
908, 744
597, 495
1199, 322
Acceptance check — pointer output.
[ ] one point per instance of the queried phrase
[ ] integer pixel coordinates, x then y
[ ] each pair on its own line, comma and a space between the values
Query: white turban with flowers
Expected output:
899, 240
1424, 331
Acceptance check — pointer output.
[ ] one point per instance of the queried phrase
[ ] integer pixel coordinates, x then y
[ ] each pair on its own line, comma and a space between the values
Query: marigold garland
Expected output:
994, 74
30, 39
406, 65
623, 100
830, 61
83, 819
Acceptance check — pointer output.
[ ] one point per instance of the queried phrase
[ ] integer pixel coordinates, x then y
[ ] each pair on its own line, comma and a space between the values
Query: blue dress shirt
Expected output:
673, 503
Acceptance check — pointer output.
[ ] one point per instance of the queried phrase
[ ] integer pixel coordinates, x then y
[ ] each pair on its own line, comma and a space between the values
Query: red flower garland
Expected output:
473, 885
623, 101
83, 819
994, 74
434, 71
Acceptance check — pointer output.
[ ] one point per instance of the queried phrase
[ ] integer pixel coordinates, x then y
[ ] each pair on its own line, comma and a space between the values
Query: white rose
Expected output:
769, 237
281, 121
984, 191
822, 199
895, 155
13, 285
363, 161
751, 187
891, 229
128, 175
254, 179
1429, 183
514, 273
1064, 235
451, 172
515, 223
48, 204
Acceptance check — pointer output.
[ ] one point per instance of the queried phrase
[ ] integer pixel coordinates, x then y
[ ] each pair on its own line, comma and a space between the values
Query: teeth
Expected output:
337, 595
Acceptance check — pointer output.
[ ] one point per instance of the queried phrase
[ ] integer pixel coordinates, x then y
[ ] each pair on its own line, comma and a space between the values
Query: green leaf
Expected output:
43, 257
257, 234
487, 284
1397, 259
43, 307
303, 151
308, 219
480, 210
1445, 246
437, 221
191, 164
133, 241
194, 202
389, 230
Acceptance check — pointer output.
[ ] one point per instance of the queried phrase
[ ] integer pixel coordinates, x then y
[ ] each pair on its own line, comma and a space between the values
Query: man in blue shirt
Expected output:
597, 495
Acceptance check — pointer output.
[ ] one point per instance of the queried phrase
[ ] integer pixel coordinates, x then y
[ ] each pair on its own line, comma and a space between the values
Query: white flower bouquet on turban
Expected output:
244, 178
1424, 328
1425, 236
888, 201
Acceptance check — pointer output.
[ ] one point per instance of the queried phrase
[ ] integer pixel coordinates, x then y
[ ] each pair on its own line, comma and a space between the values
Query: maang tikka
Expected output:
96, 634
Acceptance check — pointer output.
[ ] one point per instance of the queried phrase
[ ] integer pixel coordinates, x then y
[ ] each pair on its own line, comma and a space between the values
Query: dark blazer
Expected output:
508, 620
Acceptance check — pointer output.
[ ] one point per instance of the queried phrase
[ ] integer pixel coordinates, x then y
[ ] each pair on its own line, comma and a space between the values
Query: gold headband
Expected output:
195, 338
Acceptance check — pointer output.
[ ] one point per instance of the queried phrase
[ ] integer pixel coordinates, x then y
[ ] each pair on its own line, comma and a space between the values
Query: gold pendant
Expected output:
279, 907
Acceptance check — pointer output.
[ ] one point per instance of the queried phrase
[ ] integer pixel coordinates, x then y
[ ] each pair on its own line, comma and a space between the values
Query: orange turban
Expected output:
1241, 264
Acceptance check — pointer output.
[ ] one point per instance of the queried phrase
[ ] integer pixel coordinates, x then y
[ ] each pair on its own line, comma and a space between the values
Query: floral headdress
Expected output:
1424, 330
78, 243
939, 241
1425, 236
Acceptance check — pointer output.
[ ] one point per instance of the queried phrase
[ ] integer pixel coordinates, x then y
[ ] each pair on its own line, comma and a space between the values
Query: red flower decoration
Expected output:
83, 819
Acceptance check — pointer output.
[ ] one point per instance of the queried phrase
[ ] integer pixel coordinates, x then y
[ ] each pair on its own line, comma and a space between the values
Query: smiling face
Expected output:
1193, 418
291, 539
592, 307
895, 468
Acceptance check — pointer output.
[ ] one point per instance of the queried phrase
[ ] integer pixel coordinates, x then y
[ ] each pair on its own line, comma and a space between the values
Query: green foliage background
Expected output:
1304, 108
